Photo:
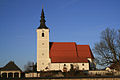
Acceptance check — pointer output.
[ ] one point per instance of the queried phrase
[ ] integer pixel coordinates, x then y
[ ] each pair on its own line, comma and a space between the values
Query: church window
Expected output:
42, 43
83, 69
42, 63
42, 34
71, 66
64, 64
82, 64
42, 53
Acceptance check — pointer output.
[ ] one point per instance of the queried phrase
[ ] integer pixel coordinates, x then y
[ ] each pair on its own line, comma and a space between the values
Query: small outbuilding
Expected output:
10, 70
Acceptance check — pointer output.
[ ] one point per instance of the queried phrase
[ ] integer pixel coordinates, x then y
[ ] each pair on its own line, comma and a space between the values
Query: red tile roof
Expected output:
60, 49
68, 60
69, 52
84, 51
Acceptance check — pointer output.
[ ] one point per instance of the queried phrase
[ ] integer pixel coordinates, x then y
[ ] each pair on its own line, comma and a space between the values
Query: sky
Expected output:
79, 21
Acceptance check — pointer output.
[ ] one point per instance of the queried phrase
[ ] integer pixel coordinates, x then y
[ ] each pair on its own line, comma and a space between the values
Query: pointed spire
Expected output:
42, 21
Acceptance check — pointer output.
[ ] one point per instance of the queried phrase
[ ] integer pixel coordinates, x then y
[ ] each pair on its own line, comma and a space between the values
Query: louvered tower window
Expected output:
42, 34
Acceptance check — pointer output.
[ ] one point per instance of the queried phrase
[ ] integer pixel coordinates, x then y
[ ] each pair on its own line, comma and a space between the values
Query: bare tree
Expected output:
30, 66
108, 49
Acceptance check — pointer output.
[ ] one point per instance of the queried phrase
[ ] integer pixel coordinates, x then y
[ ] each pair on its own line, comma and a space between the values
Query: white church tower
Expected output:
43, 59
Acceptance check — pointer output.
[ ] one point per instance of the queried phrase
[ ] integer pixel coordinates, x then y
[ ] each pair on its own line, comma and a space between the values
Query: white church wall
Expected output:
59, 66
90, 60
42, 49
54, 66
67, 65
83, 66
92, 63
32, 74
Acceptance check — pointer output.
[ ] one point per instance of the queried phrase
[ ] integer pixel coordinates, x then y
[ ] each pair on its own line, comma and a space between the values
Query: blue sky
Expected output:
79, 21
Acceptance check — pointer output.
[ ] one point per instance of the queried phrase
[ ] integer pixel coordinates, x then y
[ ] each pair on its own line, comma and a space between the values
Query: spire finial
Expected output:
42, 6
42, 21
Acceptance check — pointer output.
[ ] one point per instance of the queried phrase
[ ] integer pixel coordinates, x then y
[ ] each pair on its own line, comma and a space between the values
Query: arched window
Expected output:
83, 64
42, 53
10, 75
64, 68
83, 69
4, 75
16, 75
65, 65
71, 67
42, 43
42, 34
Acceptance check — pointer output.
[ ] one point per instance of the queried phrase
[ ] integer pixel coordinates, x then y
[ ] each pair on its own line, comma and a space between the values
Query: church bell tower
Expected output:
43, 59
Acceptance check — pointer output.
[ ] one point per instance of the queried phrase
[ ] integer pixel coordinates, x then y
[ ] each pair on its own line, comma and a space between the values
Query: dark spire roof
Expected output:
11, 66
42, 21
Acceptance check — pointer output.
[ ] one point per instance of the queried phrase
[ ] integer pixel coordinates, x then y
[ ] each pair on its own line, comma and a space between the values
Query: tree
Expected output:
30, 66
108, 49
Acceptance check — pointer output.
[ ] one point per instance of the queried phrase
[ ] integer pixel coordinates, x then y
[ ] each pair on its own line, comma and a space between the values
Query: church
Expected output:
53, 56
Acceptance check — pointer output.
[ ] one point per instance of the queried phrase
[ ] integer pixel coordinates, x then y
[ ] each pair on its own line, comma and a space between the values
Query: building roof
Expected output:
60, 49
69, 52
84, 51
11, 66
42, 21
68, 60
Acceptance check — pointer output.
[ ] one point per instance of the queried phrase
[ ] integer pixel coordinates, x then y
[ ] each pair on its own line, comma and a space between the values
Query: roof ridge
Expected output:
64, 42
83, 45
